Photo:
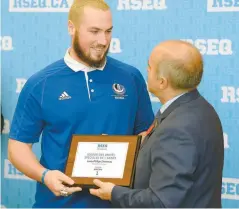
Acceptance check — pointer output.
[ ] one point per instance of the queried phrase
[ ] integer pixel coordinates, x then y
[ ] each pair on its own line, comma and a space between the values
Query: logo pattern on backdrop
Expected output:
138, 26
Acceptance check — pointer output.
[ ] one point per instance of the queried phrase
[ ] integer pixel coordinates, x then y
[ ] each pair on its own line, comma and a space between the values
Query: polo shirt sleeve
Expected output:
144, 115
27, 123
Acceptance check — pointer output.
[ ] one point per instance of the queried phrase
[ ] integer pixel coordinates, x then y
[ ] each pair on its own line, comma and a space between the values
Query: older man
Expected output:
180, 162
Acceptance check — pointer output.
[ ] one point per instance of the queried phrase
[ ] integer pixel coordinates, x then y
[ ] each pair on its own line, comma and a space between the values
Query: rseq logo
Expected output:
6, 127
20, 83
141, 5
212, 46
115, 46
230, 188
222, 5
226, 142
6, 43
10, 172
39, 5
102, 146
230, 94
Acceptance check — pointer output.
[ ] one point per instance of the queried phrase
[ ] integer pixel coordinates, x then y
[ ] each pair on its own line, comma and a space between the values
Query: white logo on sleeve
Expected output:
64, 96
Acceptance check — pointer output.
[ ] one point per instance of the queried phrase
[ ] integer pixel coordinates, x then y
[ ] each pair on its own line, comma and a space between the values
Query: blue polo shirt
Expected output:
58, 102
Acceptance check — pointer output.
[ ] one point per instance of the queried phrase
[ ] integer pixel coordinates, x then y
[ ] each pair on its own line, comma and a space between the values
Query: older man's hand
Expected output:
104, 191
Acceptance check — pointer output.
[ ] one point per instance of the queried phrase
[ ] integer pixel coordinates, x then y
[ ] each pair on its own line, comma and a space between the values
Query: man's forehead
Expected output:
97, 18
91, 12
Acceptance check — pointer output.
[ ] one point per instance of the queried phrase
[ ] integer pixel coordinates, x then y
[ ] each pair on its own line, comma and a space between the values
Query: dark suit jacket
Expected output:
180, 162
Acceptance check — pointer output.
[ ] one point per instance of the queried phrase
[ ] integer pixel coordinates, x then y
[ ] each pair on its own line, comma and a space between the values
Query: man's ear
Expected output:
71, 28
162, 83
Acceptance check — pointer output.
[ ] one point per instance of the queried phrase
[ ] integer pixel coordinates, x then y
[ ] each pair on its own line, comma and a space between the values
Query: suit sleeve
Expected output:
173, 162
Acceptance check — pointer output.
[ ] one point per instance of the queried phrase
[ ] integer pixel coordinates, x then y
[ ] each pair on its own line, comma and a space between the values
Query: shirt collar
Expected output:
168, 103
77, 66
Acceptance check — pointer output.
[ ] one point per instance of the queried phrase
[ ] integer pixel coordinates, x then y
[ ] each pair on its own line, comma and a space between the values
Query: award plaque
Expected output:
104, 157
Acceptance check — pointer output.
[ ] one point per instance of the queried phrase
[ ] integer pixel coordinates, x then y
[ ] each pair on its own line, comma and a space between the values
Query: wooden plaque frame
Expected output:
129, 169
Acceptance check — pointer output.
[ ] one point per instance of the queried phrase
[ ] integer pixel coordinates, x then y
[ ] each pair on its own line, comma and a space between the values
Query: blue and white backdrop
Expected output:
34, 34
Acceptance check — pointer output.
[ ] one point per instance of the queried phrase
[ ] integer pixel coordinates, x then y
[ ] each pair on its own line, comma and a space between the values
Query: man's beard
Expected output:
80, 53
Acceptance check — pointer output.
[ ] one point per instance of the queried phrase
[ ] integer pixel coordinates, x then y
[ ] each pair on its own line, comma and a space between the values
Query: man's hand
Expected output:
56, 181
104, 191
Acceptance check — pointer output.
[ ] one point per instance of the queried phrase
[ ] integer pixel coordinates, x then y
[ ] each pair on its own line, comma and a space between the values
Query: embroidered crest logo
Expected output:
119, 91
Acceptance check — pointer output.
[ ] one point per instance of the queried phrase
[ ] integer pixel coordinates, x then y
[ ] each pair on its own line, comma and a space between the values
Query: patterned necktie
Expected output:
152, 127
